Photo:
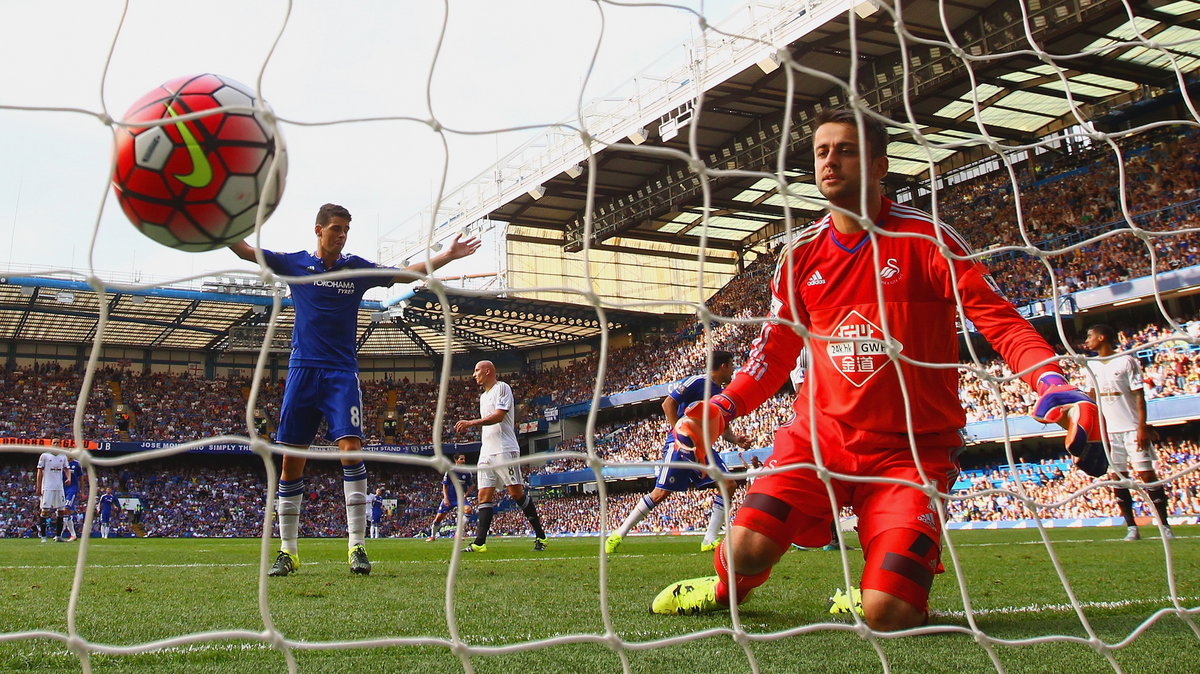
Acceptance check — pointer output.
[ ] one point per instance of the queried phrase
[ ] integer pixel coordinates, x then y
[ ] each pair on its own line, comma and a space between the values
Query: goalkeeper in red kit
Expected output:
853, 417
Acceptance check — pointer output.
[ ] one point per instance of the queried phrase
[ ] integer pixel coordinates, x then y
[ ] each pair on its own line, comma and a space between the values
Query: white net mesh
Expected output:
991, 130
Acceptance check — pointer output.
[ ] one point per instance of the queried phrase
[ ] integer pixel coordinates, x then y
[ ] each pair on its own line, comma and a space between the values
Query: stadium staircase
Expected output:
392, 398
138, 529
114, 387
246, 401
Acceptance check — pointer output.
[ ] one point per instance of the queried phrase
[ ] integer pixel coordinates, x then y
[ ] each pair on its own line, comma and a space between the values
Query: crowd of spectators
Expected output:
642, 439
577, 514
1062, 197
992, 495
1064, 200
209, 499
1170, 367
212, 498
182, 406
39, 402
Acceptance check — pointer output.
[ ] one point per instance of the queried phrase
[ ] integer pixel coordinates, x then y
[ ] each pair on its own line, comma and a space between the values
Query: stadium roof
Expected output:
649, 202
232, 316
649, 205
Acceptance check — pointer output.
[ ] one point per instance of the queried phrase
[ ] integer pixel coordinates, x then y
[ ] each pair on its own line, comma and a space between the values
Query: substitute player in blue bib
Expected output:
670, 479
449, 502
71, 492
322, 380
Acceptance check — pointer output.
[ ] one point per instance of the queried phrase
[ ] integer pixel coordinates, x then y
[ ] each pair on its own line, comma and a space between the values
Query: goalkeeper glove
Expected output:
719, 410
1061, 403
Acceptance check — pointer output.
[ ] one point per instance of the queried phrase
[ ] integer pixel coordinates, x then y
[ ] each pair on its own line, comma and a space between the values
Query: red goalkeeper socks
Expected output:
744, 583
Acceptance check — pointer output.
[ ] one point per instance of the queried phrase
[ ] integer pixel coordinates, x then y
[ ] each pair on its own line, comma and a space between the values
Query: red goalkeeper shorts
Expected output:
794, 506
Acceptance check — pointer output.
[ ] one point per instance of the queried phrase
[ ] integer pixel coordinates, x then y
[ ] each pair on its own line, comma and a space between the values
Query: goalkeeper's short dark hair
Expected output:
873, 129
721, 358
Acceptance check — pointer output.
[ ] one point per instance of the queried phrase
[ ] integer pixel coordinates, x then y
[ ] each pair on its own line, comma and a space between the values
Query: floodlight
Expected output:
769, 63
865, 9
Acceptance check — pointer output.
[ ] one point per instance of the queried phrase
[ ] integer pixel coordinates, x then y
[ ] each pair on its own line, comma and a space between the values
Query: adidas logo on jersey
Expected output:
816, 279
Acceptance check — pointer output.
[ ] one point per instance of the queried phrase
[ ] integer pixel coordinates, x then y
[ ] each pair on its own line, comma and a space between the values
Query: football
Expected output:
689, 430
196, 184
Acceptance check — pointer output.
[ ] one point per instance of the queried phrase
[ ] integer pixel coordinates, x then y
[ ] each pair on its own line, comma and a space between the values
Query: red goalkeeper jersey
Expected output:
827, 282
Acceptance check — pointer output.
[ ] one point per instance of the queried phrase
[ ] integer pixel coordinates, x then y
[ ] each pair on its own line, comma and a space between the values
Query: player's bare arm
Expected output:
1145, 432
243, 250
734, 438
458, 248
670, 409
493, 418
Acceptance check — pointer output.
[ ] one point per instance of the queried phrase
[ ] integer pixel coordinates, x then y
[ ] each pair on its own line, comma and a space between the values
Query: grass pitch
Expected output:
138, 591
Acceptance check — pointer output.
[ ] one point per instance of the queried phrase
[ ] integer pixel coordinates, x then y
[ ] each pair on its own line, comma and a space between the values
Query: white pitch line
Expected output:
644, 634
385, 562
1063, 608
471, 558
1065, 540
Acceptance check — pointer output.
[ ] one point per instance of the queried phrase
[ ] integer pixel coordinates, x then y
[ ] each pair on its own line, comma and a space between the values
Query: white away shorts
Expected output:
492, 474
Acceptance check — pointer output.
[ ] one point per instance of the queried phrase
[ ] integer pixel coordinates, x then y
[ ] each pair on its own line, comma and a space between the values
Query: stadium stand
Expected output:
1065, 198
208, 499
1052, 481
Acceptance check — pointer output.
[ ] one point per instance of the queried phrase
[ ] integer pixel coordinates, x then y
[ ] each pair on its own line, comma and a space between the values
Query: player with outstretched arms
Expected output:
853, 396
50, 482
1130, 439
498, 445
449, 502
322, 379
671, 479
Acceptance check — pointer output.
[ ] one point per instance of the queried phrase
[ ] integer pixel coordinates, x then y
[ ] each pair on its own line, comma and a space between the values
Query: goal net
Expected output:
1057, 137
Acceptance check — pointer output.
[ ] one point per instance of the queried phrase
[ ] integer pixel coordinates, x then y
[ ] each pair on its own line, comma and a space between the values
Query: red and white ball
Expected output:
196, 185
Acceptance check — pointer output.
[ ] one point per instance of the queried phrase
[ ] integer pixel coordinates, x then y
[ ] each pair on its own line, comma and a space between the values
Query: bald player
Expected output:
497, 455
